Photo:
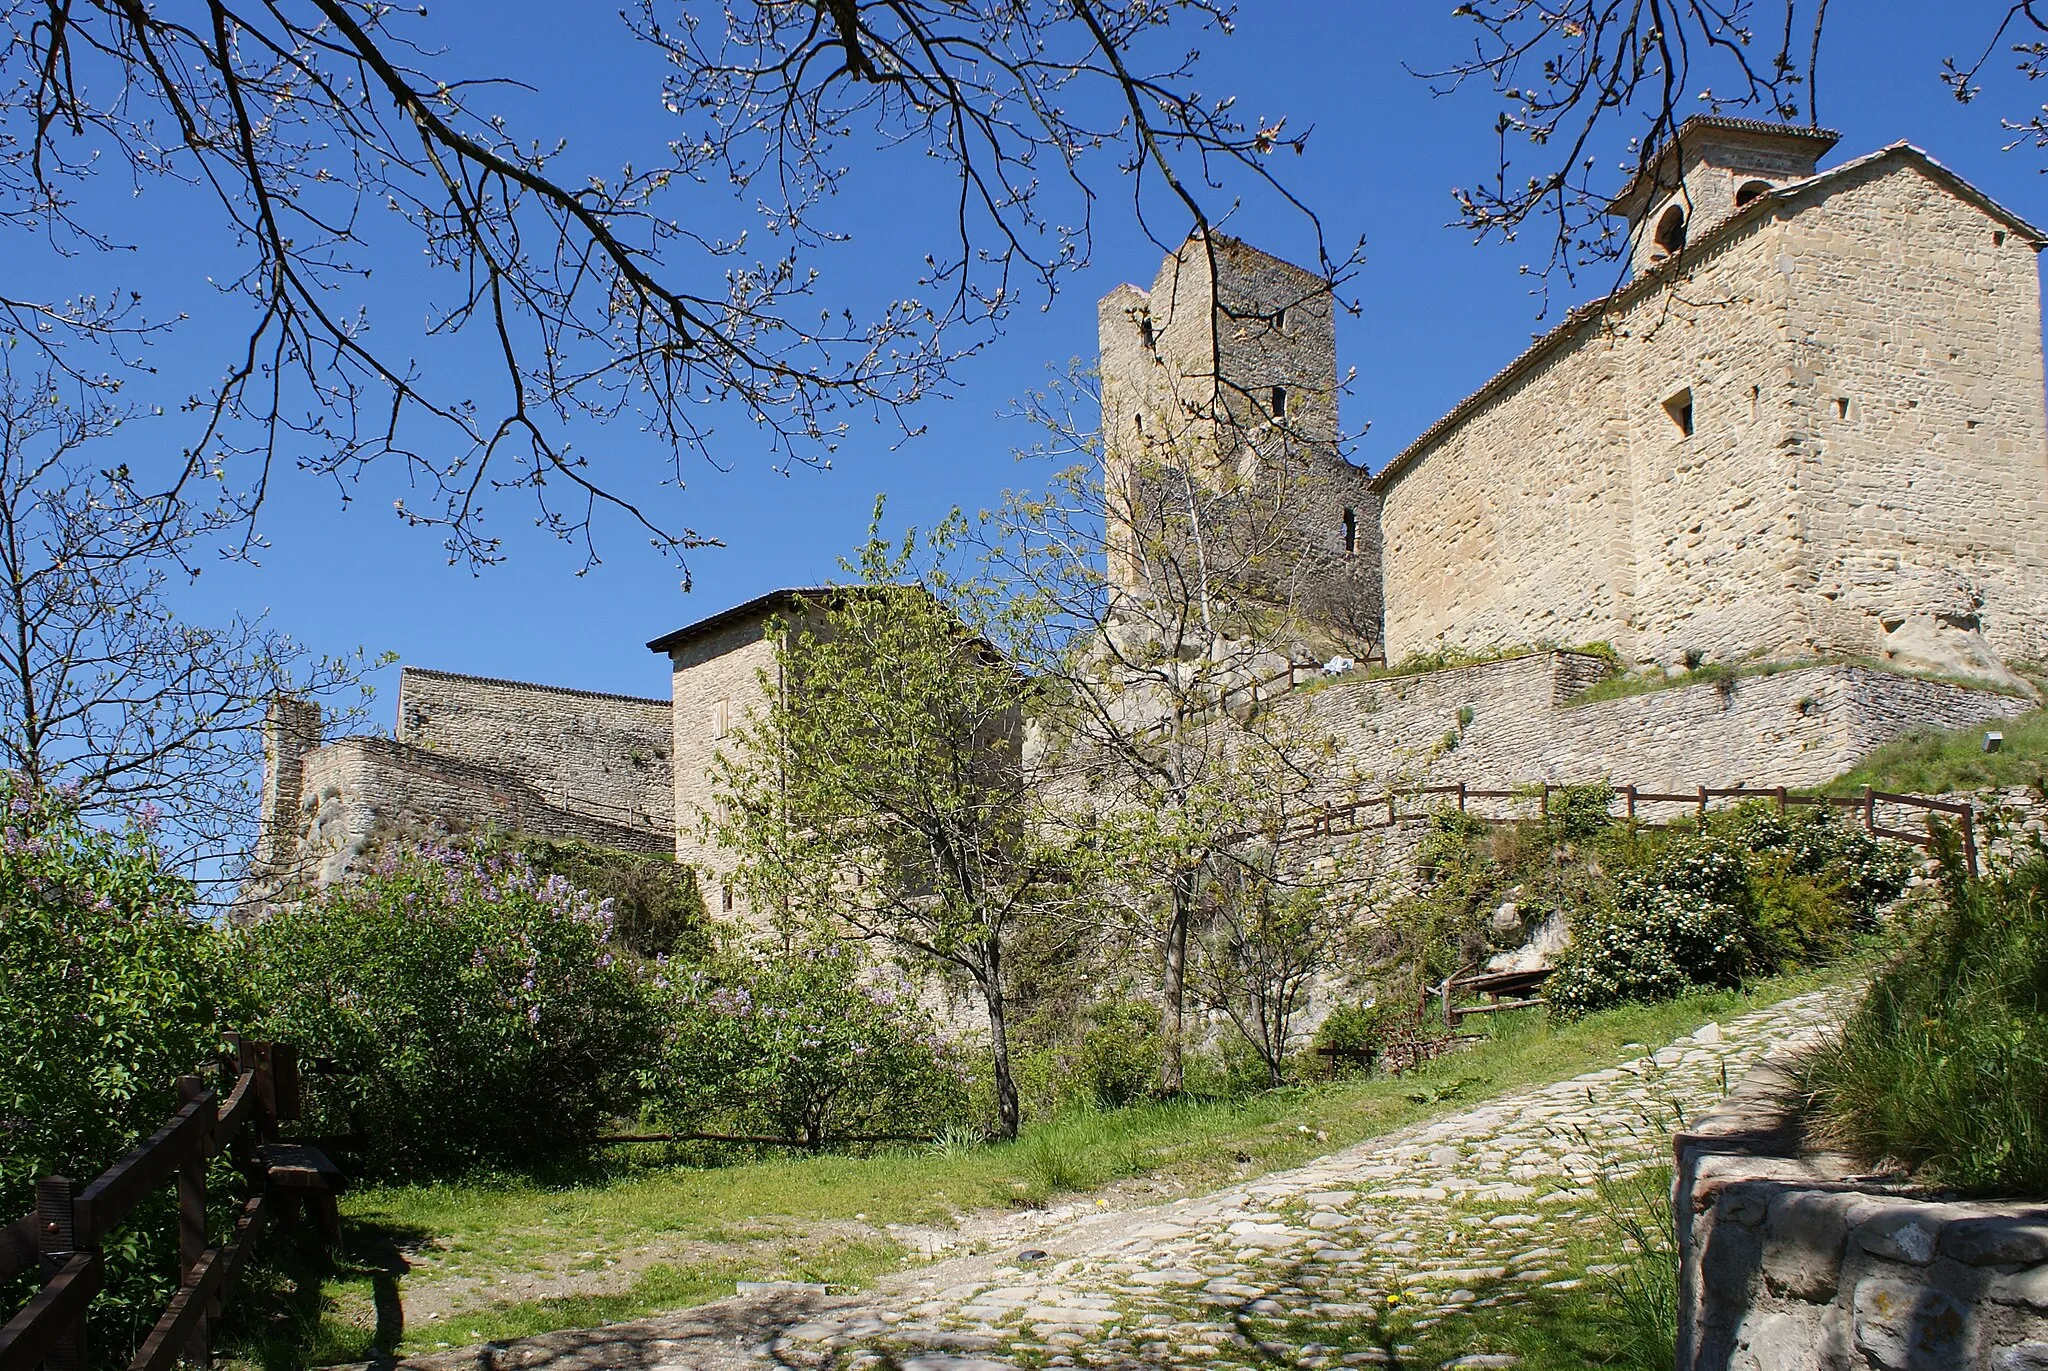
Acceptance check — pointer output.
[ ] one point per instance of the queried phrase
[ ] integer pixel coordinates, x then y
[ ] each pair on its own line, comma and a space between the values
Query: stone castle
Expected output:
1808, 431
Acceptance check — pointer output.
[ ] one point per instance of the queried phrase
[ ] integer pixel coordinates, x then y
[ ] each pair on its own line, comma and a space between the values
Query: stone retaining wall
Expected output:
1512, 722
1789, 1260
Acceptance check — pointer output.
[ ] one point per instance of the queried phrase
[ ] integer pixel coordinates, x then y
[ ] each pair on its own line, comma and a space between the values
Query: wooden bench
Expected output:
300, 1172
1494, 985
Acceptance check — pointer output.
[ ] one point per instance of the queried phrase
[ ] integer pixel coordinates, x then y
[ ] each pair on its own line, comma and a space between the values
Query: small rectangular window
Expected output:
725, 897
1280, 315
1350, 531
1679, 407
1841, 407
1279, 402
721, 718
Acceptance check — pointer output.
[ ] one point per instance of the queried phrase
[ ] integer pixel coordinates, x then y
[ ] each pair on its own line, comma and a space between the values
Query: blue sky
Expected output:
1438, 316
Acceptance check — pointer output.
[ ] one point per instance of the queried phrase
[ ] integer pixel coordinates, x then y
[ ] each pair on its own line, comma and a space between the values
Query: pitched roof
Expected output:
408, 670
1742, 220
759, 605
1822, 139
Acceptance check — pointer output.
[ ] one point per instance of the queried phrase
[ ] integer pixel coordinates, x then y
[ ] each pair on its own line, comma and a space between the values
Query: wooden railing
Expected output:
1365, 812
66, 1230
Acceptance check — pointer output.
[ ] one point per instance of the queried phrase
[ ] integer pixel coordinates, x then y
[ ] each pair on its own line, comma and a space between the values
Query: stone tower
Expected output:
1698, 181
1223, 378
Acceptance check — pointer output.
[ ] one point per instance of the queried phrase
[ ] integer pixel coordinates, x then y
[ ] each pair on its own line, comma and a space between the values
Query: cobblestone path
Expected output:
1462, 1212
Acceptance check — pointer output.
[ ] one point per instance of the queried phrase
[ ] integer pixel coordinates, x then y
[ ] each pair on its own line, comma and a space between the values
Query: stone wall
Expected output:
1789, 1260
1513, 721
597, 754
357, 789
1857, 359
716, 687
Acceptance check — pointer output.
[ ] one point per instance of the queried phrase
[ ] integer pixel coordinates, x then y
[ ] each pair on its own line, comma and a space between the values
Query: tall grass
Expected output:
1644, 1284
1944, 1066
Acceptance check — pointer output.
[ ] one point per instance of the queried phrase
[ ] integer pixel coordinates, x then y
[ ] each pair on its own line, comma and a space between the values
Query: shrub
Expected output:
657, 906
1856, 869
1684, 919
1117, 1061
109, 990
795, 1045
478, 1012
1944, 1065
1358, 1027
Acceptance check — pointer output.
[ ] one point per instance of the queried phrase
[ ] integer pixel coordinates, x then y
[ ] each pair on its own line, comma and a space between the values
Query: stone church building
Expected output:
1808, 427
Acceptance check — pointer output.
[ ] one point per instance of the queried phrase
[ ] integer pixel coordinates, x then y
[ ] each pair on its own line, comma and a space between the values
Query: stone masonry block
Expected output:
1806, 1230
1999, 1240
1907, 1326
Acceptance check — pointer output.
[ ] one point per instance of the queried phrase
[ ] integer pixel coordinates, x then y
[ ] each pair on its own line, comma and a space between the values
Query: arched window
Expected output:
1749, 190
1671, 231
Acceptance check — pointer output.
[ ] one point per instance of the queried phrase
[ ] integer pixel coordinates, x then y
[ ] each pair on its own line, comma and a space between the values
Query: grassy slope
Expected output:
822, 1218
1932, 762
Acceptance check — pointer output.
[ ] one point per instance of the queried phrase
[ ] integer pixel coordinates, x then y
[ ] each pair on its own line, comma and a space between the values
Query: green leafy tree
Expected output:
1171, 588
110, 989
798, 1045
477, 1012
882, 793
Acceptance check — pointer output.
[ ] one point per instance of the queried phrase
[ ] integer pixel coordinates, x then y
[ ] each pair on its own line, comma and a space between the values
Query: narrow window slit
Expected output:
1679, 408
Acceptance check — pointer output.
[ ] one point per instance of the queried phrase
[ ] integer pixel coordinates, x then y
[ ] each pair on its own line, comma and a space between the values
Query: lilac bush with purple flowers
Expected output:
480, 1012
797, 1045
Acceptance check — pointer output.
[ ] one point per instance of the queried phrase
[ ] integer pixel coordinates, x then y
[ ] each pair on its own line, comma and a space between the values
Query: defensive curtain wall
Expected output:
1818, 428
471, 753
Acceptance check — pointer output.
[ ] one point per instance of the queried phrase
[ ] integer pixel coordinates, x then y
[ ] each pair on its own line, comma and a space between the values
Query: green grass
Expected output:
824, 1218
1943, 1067
1932, 761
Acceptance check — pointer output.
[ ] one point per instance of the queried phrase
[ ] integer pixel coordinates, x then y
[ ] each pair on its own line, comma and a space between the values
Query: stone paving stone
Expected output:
1482, 1197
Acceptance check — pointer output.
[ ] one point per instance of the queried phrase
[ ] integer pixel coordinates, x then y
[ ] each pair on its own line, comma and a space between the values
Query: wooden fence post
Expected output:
1461, 797
1869, 810
1969, 838
57, 1239
1629, 794
1543, 804
1703, 802
192, 1223
1781, 799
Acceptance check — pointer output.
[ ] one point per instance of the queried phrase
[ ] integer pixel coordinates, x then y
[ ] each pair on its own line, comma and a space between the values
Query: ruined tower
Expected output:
1219, 415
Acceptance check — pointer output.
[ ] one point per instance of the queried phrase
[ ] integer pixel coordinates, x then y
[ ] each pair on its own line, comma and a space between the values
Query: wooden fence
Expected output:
1365, 812
64, 1234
